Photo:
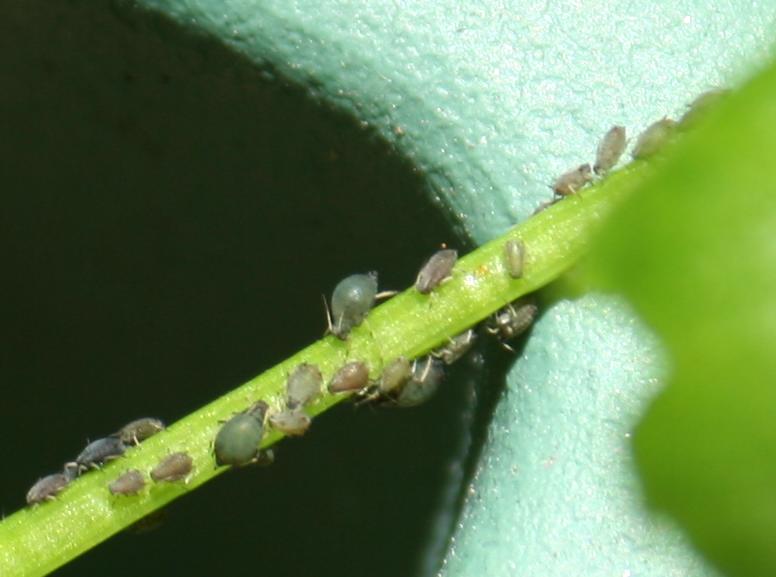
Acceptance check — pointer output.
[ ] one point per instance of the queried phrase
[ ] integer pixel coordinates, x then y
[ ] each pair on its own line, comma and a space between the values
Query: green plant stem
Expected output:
38, 539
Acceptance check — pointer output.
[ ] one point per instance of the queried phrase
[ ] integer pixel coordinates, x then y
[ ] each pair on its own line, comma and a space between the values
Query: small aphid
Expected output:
98, 452
514, 256
395, 376
174, 467
47, 488
237, 442
699, 107
437, 269
426, 377
130, 483
570, 182
610, 149
351, 301
290, 422
513, 320
654, 138
139, 430
457, 347
303, 385
353, 376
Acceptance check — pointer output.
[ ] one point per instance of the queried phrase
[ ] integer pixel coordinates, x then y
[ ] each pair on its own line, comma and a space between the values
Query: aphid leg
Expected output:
329, 326
385, 295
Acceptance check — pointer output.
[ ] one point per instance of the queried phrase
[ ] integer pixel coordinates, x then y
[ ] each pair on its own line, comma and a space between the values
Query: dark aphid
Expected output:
98, 452
47, 488
139, 430
130, 483
352, 299
514, 256
654, 138
699, 107
570, 182
237, 442
610, 149
513, 319
395, 376
436, 269
353, 376
174, 467
149, 523
426, 377
457, 347
290, 422
303, 385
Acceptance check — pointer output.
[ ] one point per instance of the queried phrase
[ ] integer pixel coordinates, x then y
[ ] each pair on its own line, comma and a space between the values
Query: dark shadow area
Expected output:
170, 219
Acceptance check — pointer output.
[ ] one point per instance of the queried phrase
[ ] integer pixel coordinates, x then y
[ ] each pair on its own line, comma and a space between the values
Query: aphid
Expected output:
514, 256
303, 385
237, 442
130, 483
570, 182
290, 422
701, 105
457, 347
654, 138
139, 430
172, 468
47, 488
424, 382
351, 300
436, 269
610, 149
350, 377
395, 376
98, 452
513, 319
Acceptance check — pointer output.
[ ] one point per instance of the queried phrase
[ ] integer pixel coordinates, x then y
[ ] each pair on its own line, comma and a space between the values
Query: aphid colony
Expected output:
402, 383
96, 454
649, 142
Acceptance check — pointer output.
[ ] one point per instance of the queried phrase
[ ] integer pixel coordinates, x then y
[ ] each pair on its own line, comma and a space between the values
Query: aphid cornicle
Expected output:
353, 376
130, 483
303, 385
436, 270
427, 375
654, 138
98, 452
139, 430
47, 488
457, 347
237, 442
514, 256
610, 149
570, 182
351, 301
174, 467
291, 422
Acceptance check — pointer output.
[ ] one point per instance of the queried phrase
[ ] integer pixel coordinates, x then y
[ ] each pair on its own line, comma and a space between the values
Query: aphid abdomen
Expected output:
237, 442
47, 488
130, 483
353, 376
514, 257
174, 467
351, 301
436, 269
610, 149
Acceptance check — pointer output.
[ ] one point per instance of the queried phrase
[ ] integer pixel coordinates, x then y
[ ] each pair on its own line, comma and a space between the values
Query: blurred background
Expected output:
171, 216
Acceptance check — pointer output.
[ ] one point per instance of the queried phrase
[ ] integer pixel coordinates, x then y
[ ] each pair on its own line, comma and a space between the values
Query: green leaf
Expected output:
694, 249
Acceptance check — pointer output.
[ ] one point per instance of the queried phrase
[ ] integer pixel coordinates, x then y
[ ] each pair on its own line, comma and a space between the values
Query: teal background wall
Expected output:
179, 190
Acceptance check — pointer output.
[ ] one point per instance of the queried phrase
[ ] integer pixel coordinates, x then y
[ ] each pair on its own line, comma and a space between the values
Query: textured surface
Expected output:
555, 493
492, 100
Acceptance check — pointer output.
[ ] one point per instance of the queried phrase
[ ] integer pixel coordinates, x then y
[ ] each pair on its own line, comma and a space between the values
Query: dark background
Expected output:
170, 217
